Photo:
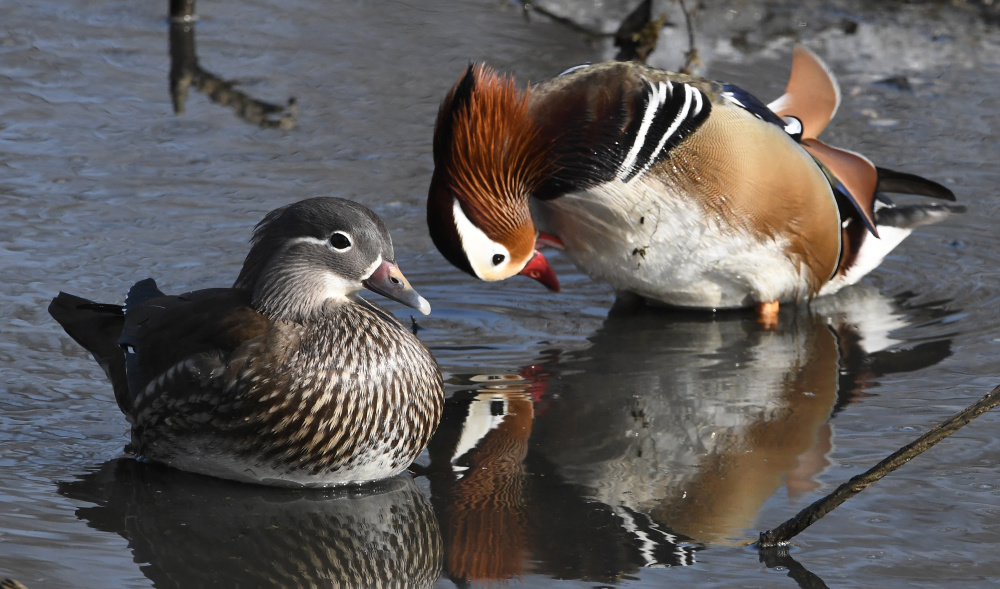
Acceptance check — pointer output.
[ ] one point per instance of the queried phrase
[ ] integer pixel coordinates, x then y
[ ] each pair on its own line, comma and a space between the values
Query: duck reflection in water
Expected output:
189, 530
668, 433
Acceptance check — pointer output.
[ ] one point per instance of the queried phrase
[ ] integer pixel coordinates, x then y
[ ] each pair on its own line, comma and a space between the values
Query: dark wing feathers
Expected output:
165, 331
194, 332
912, 216
750, 103
96, 327
612, 122
902, 182
140, 292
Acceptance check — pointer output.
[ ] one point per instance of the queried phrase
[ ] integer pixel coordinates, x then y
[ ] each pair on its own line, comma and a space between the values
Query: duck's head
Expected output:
488, 160
319, 251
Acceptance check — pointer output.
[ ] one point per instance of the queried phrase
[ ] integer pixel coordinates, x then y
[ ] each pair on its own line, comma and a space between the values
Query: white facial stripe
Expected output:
479, 248
575, 68
337, 286
371, 269
314, 240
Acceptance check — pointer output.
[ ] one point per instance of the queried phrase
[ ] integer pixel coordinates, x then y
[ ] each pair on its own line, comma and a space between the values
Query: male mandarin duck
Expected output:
682, 190
289, 378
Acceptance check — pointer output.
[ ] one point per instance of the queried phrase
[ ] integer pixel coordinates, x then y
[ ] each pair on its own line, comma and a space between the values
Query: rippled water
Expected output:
582, 442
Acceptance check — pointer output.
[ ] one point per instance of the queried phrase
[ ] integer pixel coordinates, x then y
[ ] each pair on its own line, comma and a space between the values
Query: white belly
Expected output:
664, 248
206, 455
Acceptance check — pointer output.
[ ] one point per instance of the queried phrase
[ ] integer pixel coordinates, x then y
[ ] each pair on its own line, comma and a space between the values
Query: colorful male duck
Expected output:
682, 190
289, 378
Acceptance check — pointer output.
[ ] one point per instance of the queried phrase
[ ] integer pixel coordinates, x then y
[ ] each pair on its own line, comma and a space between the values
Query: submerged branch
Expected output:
805, 518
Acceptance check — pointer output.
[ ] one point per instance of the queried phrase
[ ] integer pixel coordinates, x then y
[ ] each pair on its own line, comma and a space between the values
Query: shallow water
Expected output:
582, 444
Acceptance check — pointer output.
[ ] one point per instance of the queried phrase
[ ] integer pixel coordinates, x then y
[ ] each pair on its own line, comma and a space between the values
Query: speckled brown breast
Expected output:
351, 397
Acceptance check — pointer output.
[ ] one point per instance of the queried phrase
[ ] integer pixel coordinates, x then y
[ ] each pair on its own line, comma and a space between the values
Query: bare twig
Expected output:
791, 528
691, 58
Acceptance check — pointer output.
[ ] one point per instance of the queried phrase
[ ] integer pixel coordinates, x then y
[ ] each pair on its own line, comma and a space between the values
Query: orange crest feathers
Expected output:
495, 157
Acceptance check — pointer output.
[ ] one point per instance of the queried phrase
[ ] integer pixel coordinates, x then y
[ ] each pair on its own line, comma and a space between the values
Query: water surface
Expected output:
584, 443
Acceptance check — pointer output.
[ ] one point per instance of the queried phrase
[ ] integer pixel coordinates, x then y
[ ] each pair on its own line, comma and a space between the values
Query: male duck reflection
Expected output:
682, 190
289, 378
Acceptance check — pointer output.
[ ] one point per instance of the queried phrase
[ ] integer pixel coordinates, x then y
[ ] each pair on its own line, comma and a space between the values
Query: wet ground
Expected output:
584, 444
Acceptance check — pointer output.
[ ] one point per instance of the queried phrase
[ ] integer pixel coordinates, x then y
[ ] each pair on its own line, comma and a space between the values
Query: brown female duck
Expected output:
289, 378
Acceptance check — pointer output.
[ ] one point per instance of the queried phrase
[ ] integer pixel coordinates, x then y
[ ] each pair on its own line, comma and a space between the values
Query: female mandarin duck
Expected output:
289, 378
679, 189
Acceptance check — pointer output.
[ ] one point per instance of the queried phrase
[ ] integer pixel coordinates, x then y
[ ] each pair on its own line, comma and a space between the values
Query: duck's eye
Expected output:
340, 241
498, 259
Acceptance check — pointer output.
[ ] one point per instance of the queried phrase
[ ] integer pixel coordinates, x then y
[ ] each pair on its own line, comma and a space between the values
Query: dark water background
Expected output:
581, 442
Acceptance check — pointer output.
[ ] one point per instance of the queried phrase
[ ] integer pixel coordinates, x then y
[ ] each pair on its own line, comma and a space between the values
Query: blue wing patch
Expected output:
748, 102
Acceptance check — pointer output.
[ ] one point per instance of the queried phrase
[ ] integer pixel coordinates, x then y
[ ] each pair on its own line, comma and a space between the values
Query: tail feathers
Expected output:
904, 183
141, 292
96, 327
912, 216
854, 177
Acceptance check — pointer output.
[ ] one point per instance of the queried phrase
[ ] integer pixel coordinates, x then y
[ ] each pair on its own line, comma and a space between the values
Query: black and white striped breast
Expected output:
669, 112
614, 123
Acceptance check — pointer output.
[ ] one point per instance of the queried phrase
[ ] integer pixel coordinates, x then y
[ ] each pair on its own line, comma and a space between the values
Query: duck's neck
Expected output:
297, 292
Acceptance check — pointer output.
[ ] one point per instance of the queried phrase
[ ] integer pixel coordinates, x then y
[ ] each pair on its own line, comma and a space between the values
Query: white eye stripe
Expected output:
478, 248
312, 240
316, 241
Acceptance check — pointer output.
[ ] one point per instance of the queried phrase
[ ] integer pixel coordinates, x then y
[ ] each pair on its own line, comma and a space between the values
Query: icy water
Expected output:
584, 444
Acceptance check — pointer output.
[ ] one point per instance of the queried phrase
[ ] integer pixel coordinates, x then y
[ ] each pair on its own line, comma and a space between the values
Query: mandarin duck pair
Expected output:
681, 190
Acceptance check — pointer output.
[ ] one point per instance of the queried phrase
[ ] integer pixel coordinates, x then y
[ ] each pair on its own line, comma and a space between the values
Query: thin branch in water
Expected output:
778, 556
805, 518
186, 72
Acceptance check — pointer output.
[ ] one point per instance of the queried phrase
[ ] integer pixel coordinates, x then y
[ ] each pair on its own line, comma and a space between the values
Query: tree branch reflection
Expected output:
185, 72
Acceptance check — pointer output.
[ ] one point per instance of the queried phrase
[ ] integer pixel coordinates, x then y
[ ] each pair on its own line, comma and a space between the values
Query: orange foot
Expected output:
767, 315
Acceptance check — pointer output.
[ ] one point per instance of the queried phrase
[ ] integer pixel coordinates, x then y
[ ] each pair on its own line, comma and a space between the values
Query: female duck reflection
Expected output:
669, 431
189, 530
